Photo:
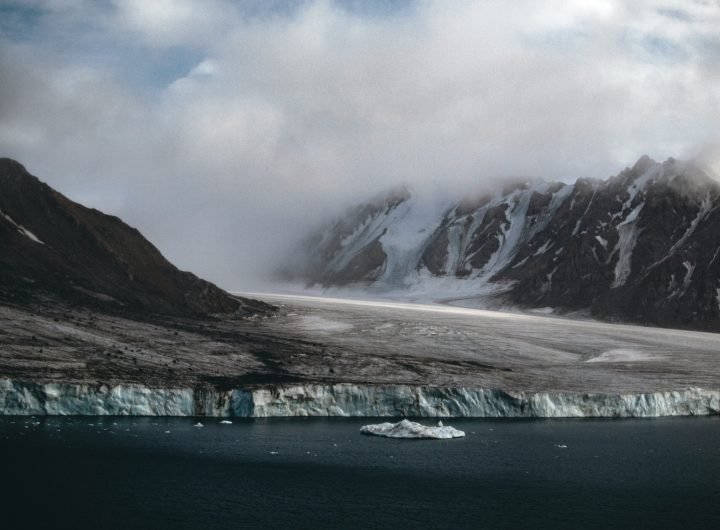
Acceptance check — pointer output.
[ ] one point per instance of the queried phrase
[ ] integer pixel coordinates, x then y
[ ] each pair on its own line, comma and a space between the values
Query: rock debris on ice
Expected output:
410, 429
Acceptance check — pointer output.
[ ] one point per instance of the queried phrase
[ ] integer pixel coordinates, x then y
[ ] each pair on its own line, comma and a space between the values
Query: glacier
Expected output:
32, 398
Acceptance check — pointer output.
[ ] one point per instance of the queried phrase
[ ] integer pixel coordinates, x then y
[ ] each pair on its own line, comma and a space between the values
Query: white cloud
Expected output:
163, 23
291, 112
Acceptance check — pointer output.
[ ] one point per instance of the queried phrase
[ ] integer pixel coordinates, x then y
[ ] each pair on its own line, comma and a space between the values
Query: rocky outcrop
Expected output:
21, 398
640, 246
53, 247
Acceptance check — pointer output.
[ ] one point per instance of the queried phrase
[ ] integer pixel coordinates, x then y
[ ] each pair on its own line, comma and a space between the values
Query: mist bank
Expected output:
27, 398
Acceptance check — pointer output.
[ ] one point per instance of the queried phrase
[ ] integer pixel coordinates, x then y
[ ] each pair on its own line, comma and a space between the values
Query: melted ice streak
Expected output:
20, 228
402, 230
410, 429
628, 232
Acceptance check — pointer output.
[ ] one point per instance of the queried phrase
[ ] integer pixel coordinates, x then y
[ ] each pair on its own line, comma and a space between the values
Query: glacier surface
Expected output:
28, 398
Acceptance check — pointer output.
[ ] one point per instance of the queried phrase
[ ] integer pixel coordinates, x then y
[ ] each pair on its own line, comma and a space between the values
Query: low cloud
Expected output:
222, 131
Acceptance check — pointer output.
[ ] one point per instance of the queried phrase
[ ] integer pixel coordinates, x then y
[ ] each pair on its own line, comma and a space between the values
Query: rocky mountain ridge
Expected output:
641, 246
52, 248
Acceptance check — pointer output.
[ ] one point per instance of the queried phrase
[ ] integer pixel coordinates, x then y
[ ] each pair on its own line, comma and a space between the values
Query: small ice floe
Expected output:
274, 452
561, 446
167, 432
225, 422
410, 429
198, 424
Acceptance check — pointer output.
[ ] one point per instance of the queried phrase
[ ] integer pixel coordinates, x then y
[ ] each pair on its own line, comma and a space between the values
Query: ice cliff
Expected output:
25, 398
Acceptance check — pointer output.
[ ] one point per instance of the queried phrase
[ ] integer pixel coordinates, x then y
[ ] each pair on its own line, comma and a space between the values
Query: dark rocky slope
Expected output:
52, 248
642, 246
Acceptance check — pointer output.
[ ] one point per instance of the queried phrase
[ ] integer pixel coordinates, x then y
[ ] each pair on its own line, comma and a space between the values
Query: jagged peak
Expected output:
643, 164
393, 195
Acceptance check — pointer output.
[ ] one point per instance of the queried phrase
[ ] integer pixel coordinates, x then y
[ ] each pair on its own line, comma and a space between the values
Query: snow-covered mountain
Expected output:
642, 246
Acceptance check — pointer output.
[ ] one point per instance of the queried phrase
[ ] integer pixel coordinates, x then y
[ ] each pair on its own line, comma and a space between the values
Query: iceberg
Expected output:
411, 429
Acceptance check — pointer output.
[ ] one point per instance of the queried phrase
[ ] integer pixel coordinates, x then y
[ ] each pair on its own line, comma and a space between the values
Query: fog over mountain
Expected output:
640, 246
225, 130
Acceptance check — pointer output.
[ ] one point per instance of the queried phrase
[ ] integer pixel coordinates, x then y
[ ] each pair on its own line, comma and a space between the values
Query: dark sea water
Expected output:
321, 473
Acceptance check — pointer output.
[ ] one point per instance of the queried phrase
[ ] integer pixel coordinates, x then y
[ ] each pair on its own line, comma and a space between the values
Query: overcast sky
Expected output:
222, 129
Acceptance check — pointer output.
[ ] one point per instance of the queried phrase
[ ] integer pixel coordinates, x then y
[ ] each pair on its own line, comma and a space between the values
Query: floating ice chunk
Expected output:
410, 429
225, 422
198, 424
561, 446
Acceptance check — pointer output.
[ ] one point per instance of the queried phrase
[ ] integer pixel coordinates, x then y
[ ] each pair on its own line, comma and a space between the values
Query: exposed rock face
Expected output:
19, 398
52, 246
367, 261
640, 246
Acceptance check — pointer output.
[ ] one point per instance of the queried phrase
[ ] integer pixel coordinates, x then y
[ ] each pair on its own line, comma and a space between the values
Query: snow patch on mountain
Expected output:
628, 232
689, 269
20, 228
705, 208
412, 225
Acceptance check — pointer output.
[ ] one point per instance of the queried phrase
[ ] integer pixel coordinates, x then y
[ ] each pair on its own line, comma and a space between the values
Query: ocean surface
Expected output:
107, 472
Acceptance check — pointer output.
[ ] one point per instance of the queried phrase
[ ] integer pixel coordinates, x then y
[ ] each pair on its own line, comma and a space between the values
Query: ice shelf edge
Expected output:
29, 398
